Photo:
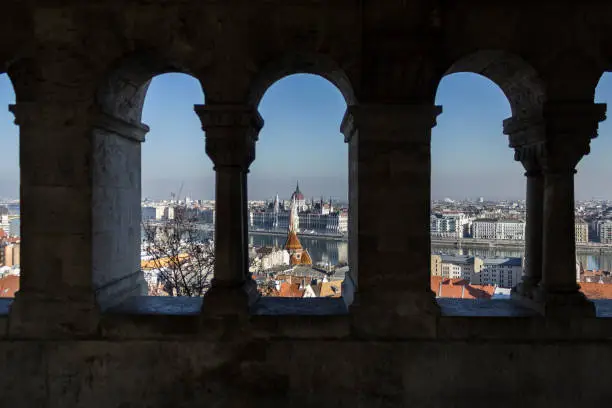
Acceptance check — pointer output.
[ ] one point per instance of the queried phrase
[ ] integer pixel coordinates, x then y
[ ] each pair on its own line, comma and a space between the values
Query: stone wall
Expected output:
80, 72
150, 361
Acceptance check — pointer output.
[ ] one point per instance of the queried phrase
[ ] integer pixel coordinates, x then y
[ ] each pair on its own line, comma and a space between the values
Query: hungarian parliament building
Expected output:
314, 217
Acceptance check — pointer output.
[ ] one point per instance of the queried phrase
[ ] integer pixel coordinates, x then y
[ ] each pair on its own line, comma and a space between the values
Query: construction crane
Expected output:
177, 196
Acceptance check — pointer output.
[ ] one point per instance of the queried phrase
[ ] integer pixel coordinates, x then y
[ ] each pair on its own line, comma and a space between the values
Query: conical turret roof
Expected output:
293, 242
305, 259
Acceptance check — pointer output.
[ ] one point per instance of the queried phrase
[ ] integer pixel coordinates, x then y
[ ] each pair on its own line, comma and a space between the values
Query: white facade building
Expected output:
332, 223
581, 232
160, 212
605, 232
448, 225
498, 229
269, 257
497, 271
457, 266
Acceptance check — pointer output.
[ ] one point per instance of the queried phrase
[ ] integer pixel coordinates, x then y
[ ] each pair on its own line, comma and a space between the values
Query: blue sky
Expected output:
301, 141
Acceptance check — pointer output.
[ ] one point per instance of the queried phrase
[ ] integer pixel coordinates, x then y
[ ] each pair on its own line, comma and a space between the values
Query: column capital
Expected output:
524, 130
557, 138
229, 116
390, 117
131, 131
573, 120
48, 113
570, 126
231, 133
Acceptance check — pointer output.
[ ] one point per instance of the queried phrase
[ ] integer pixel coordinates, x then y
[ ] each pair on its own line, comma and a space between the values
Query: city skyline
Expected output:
301, 141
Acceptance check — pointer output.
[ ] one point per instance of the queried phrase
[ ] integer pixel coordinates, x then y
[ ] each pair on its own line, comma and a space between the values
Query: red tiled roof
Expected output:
330, 289
594, 290
8, 286
460, 289
291, 290
479, 292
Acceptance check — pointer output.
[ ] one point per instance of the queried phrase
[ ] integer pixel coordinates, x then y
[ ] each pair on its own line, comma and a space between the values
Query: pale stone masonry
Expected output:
78, 334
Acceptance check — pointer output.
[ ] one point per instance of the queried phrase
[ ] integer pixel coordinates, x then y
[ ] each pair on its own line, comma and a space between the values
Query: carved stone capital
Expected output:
570, 126
530, 157
232, 116
524, 131
557, 139
231, 133
573, 120
47, 114
120, 127
389, 121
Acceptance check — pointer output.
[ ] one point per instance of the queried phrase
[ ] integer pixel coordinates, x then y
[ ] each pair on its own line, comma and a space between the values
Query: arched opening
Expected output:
298, 191
478, 193
10, 237
178, 191
594, 208
146, 218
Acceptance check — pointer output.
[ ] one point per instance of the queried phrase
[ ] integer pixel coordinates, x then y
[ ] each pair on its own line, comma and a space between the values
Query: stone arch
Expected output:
24, 75
122, 91
325, 67
301, 63
518, 80
116, 163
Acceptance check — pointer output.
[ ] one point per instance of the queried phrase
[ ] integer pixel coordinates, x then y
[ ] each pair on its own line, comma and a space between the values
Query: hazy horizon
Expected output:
301, 141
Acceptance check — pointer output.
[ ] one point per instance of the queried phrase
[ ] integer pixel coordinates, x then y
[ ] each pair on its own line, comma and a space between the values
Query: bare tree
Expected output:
182, 258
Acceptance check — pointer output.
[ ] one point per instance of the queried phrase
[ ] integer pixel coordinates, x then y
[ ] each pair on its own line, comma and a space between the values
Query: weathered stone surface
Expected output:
81, 71
325, 373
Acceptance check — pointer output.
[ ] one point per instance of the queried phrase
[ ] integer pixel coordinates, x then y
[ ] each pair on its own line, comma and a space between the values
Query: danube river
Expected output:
321, 250
332, 251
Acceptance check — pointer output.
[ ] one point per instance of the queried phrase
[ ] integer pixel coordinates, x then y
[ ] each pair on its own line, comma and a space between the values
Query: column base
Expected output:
403, 314
230, 300
557, 304
116, 292
38, 315
565, 304
527, 288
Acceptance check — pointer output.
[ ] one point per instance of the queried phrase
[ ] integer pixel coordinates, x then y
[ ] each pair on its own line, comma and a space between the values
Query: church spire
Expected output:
298, 255
276, 203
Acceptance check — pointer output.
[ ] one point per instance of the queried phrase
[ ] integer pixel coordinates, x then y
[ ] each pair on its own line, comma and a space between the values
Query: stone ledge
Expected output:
5, 305
483, 308
270, 306
267, 306
148, 317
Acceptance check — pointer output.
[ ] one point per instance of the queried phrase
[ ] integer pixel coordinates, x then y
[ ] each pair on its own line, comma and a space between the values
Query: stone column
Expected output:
231, 134
56, 296
525, 135
116, 209
569, 128
533, 232
390, 172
